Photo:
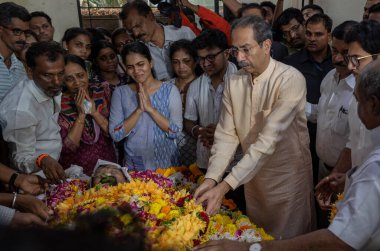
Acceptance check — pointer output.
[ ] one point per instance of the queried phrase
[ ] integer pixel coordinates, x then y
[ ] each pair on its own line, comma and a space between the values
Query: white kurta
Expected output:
267, 117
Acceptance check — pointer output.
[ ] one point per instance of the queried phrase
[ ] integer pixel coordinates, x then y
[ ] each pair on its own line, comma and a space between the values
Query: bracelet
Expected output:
40, 158
14, 199
11, 182
192, 130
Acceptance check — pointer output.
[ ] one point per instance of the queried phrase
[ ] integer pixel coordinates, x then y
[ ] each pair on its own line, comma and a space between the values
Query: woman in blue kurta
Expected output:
147, 113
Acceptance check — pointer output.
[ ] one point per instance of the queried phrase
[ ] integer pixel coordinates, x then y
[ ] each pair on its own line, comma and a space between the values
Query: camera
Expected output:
168, 8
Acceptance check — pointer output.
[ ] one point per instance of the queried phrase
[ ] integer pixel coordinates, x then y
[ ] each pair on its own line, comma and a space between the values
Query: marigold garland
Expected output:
172, 218
334, 210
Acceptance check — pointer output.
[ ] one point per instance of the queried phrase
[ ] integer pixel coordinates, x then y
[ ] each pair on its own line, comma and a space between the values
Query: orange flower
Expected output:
165, 209
195, 170
229, 203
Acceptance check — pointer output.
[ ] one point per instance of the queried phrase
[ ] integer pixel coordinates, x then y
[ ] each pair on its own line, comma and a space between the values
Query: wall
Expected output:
64, 13
343, 10
338, 10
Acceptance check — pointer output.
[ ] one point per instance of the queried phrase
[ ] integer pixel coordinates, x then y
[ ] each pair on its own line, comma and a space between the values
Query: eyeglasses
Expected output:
355, 60
294, 29
18, 32
234, 51
210, 58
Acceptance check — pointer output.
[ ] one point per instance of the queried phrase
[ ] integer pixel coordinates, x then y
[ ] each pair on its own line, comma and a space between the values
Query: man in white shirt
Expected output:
139, 20
336, 95
204, 96
204, 99
332, 127
29, 113
363, 48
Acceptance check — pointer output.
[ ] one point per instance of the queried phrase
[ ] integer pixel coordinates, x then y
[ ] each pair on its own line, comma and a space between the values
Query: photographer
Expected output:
208, 18
137, 17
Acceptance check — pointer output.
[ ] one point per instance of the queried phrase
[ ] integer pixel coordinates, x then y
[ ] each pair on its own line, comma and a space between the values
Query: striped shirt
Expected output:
10, 77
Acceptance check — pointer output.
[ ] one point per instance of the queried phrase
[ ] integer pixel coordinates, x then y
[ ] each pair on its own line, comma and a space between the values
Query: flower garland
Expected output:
172, 218
334, 210
59, 193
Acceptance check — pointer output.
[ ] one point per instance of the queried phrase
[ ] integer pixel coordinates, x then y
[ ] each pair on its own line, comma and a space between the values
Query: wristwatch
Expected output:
11, 182
255, 247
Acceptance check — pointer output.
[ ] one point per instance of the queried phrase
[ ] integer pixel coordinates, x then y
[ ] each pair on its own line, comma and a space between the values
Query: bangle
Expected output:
40, 158
192, 130
11, 182
14, 199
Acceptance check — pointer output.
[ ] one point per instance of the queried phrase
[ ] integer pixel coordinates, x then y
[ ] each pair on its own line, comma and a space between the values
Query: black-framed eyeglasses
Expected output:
294, 29
17, 31
210, 57
355, 60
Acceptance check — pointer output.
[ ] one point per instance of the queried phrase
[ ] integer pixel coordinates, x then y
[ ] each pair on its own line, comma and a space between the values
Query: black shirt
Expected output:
278, 51
313, 71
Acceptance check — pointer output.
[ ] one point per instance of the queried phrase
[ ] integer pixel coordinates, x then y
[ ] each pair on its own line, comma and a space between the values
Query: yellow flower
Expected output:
192, 206
231, 228
100, 201
174, 228
180, 194
334, 210
126, 219
174, 214
155, 208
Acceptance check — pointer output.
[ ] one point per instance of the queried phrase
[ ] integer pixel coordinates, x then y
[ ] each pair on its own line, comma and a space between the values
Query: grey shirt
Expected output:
161, 61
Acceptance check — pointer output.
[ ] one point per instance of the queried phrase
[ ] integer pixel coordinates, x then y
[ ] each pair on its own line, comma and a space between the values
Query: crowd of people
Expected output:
279, 109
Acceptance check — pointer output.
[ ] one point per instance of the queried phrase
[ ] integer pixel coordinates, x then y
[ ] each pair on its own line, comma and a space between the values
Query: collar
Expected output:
169, 36
375, 135
266, 74
37, 92
14, 59
350, 80
230, 69
41, 97
169, 33
306, 56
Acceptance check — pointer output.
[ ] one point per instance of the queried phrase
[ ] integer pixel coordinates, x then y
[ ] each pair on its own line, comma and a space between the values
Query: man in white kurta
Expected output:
356, 225
264, 111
